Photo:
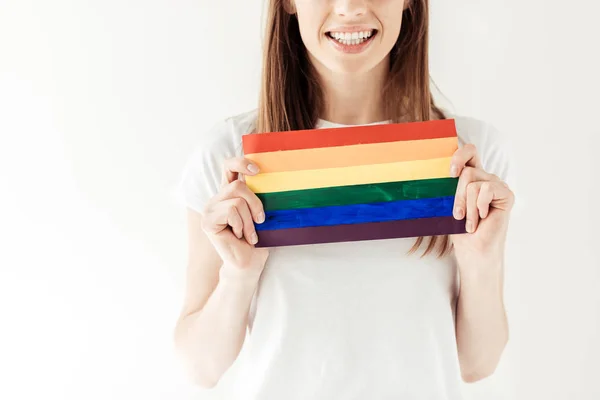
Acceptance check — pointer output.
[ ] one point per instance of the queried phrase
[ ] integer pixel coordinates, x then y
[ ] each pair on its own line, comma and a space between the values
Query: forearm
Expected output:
210, 339
481, 323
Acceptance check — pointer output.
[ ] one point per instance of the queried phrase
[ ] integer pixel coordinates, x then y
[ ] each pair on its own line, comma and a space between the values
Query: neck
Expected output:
353, 99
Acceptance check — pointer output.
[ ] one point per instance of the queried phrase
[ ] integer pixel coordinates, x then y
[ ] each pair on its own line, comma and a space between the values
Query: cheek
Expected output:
391, 31
391, 18
310, 30
312, 15
309, 35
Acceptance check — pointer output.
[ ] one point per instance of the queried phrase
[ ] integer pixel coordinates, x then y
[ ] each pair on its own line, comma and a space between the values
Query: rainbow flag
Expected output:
354, 183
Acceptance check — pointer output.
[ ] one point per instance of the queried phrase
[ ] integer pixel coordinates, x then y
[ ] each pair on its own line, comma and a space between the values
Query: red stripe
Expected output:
329, 137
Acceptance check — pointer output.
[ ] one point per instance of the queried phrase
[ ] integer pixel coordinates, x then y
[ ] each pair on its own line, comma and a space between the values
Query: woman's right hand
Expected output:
228, 221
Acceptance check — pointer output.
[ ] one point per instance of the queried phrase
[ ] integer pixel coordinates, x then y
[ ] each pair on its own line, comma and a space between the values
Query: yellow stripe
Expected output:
375, 173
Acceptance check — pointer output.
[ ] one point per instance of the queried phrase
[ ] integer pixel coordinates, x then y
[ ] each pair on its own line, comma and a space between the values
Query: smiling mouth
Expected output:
352, 38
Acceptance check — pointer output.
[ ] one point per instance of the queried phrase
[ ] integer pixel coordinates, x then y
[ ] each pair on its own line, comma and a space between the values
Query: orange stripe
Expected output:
347, 156
347, 136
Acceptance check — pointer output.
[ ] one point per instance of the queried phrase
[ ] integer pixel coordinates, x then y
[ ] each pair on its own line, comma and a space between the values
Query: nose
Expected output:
350, 8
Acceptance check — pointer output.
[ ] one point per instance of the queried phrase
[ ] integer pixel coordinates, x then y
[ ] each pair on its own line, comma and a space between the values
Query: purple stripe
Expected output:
368, 231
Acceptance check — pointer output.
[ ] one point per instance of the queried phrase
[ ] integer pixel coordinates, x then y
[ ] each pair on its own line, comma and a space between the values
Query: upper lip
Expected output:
352, 28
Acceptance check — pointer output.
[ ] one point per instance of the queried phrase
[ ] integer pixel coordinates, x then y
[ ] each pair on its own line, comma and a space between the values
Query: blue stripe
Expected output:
357, 213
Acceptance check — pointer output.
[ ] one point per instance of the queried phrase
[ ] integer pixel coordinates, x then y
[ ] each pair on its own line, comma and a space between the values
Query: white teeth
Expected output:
351, 38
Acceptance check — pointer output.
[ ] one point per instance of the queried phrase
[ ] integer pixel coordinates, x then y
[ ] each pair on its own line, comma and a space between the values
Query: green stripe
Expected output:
359, 194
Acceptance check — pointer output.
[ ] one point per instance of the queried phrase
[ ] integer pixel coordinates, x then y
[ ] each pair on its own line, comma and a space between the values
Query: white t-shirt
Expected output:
355, 320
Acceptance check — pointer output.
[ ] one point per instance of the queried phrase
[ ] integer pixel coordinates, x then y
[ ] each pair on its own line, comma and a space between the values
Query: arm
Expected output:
481, 323
211, 329
223, 271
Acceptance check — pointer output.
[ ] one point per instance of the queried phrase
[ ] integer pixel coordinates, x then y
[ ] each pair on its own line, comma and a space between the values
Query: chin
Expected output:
354, 67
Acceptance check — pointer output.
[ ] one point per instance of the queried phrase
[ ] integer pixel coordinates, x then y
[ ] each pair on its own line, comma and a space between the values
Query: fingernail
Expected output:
469, 226
453, 170
254, 238
260, 218
252, 168
458, 213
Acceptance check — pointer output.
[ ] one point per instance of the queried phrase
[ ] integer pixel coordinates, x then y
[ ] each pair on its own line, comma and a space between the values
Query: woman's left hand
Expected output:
485, 201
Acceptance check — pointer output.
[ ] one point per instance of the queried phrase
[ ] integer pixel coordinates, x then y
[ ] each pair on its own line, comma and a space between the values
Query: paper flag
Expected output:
354, 183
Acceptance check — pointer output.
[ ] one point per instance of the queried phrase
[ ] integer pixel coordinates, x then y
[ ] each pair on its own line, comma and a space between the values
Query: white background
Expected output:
101, 103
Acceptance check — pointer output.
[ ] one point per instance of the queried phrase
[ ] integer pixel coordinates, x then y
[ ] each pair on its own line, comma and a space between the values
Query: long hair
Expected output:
291, 97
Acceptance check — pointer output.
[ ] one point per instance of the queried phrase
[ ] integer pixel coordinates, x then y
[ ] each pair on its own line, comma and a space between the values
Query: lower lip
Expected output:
352, 48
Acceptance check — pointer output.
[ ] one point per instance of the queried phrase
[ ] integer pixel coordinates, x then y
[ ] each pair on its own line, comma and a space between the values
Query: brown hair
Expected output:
291, 97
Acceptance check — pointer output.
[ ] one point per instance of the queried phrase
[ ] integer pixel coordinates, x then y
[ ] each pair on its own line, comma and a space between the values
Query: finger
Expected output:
486, 195
235, 214
468, 175
247, 223
465, 156
240, 189
234, 219
233, 167
472, 211
219, 216
502, 196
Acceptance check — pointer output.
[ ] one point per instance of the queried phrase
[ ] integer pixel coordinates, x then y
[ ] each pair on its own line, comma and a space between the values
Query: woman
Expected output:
354, 320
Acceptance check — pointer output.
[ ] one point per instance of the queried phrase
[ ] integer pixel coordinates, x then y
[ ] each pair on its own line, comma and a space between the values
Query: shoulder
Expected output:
202, 172
222, 140
493, 146
478, 132
225, 136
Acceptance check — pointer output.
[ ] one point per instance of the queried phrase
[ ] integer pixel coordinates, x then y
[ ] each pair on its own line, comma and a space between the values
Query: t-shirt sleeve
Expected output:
201, 177
492, 146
